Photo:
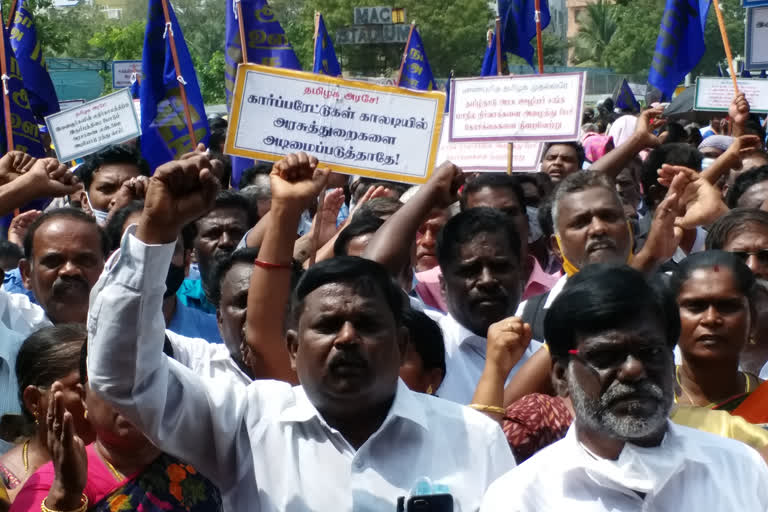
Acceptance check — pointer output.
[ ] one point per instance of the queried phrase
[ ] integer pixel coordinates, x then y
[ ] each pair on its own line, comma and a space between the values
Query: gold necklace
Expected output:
711, 404
25, 456
118, 475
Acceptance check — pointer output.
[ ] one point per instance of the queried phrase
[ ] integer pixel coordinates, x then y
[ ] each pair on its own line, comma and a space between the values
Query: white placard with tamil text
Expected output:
351, 127
756, 35
489, 156
517, 108
123, 71
716, 94
83, 130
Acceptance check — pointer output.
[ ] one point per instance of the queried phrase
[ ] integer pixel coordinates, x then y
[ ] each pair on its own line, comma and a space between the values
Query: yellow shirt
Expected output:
721, 423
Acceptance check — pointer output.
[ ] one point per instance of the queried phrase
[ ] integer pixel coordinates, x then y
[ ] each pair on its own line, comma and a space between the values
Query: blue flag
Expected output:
680, 45
417, 74
29, 53
326, 62
135, 88
746, 74
763, 74
448, 94
518, 26
625, 98
266, 42
164, 133
490, 63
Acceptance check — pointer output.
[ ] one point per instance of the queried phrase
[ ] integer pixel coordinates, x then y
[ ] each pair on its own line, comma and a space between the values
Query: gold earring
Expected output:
85, 414
429, 389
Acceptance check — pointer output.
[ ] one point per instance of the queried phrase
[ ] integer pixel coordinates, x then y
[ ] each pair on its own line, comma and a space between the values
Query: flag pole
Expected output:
241, 26
405, 52
539, 41
314, 44
5, 93
499, 71
172, 41
726, 45
12, 13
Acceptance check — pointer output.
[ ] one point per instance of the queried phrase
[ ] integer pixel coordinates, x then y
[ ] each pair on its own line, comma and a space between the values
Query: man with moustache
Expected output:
64, 254
611, 333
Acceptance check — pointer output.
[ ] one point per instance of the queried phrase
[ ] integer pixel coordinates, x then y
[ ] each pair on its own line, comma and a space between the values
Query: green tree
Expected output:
597, 26
555, 50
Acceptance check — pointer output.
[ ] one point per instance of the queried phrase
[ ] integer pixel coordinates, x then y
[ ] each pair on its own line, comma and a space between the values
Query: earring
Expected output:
429, 389
85, 414
37, 421
752, 340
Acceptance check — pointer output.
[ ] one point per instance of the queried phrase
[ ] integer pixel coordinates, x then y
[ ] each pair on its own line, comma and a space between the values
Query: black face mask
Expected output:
173, 280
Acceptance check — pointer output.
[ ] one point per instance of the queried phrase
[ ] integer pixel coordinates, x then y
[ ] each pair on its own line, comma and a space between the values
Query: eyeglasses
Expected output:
611, 358
762, 256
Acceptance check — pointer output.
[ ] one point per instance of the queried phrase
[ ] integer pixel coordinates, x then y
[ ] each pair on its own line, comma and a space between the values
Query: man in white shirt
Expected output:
611, 333
353, 437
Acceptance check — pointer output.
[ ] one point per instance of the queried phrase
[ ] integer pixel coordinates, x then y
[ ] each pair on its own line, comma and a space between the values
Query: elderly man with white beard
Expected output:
611, 333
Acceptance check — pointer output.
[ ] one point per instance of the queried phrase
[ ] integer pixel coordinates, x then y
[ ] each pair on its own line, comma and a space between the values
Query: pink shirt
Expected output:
428, 285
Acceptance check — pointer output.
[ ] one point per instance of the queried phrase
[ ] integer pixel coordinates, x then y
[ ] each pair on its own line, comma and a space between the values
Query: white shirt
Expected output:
764, 372
265, 445
205, 359
18, 314
691, 470
465, 360
553, 293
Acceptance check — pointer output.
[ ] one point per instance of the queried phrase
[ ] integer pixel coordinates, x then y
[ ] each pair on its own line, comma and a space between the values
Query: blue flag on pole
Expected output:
625, 98
267, 43
490, 63
29, 53
448, 94
164, 133
518, 26
326, 62
417, 74
763, 74
680, 44
720, 70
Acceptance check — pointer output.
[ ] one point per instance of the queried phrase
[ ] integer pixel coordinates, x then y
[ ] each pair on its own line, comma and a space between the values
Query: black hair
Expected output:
226, 161
732, 223
581, 155
754, 126
494, 181
465, 226
743, 182
48, 355
246, 255
545, 216
693, 135
363, 184
246, 178
578, 182
115, 154
675, 133
71, 213
365, 275
743, 277
218, 129
675, 153
358, 226
235, 200
602, 297
531, 178
379, 207
11, 251
426, 337
115, 226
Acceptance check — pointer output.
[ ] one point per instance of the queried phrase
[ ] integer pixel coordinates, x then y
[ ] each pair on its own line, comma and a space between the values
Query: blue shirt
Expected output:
191, 294
193, 323
12, 283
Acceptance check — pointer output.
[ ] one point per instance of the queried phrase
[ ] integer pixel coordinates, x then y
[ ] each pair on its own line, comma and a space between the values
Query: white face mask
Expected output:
101, 215
706, 163
534, 228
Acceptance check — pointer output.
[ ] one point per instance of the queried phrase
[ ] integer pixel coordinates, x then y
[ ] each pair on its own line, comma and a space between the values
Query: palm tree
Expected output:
597, 25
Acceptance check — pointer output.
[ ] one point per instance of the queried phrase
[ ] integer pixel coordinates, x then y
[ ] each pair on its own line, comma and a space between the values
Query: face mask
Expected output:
173, 280
534, 228
101, 215
707, 163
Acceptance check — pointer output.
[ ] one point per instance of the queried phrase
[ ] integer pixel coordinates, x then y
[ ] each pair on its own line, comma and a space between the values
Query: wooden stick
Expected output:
499, 71
177, 66
726, 44
241, 25
318, 227
12, 14
405, 53
314, 45
5, 93
539, 40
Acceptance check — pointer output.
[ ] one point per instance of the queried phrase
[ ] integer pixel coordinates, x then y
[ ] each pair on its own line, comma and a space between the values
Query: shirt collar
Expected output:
538, 278
555, 291
462, 334
406, 406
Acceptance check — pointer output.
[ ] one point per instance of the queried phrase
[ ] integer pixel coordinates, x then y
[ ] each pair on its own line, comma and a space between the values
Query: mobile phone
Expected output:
431, 503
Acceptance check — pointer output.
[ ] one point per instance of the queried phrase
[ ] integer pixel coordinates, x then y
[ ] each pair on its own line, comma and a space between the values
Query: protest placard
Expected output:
122, 71
716, 94
85, 129
756, 35
517, 108
489, 156
351, 127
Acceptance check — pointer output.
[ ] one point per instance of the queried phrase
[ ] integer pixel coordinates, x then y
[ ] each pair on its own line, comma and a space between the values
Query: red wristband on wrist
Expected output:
269, 266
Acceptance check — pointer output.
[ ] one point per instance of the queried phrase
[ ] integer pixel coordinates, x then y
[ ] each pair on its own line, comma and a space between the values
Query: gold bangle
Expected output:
82, 508
488, 408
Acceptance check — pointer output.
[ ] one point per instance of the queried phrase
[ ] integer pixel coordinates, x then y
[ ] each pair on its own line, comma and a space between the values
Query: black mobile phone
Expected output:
431, 503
